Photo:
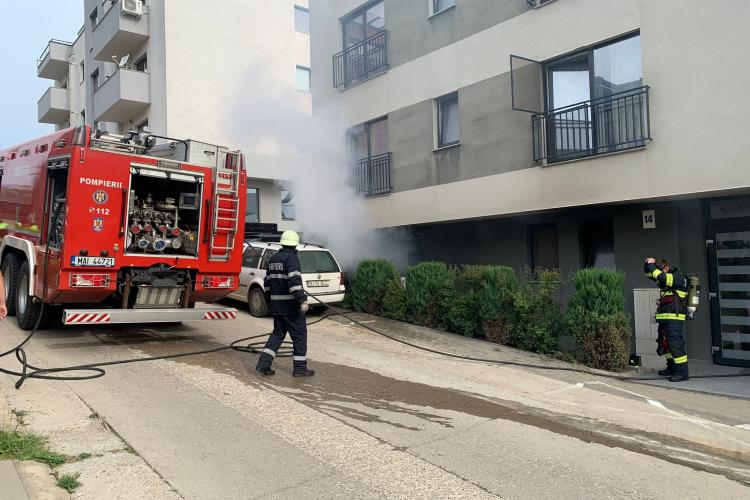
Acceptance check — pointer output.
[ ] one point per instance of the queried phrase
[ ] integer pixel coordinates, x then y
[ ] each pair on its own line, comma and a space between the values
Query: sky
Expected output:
27, 27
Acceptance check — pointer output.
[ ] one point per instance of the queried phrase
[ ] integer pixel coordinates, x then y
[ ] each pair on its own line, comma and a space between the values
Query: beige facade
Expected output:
185, 74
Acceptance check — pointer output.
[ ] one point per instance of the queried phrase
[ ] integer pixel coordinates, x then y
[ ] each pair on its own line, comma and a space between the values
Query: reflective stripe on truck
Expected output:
96, 316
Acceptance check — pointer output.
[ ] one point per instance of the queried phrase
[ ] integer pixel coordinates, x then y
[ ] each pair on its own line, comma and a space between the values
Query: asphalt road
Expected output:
380, 420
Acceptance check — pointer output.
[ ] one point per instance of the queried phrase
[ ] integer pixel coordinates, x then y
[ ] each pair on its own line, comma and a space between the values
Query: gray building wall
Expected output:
413, 33
494, 138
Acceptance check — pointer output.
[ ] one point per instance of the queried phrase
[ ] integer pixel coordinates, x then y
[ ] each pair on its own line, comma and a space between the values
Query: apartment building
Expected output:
555, 133
182, 68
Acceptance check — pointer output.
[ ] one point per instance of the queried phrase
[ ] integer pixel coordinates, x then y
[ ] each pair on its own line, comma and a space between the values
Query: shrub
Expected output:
430, 289
394, 302
536, 318
495, 287
371, 282
597, 320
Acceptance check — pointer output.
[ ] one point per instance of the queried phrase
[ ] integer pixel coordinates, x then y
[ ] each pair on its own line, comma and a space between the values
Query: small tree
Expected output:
371, 282
597, 320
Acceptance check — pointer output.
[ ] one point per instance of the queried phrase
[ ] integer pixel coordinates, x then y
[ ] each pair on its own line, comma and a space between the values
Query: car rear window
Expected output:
317, 261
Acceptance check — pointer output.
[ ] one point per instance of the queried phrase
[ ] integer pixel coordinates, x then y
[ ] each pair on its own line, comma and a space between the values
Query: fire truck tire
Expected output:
256, 302
11, 266
27, 309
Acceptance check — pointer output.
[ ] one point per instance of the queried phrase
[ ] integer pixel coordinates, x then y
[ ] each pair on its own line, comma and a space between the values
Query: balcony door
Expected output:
593, 99
368, 153
364, 52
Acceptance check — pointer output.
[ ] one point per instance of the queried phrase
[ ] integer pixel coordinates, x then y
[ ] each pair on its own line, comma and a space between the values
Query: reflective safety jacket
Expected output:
283, 283
674, 288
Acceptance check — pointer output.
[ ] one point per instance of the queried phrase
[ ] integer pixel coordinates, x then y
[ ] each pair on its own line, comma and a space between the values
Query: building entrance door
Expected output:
729, 288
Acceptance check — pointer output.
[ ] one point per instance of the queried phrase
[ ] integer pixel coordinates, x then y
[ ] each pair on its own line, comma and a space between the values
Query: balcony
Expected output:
612, 124
53, 63
362, 61
372, 176
119, 33
126, 94
54, 106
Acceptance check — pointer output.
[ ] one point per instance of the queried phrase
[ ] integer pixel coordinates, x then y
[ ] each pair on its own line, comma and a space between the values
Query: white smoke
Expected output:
310, 151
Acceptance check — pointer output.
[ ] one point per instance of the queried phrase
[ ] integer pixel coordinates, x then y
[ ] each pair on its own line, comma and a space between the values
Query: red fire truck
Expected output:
100, 230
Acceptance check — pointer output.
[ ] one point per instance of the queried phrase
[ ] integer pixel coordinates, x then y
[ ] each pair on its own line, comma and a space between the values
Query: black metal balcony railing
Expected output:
372, 176
361, 61
605, 125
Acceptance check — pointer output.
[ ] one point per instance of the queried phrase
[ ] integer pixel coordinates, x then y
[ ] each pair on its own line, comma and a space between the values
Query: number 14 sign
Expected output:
649, 219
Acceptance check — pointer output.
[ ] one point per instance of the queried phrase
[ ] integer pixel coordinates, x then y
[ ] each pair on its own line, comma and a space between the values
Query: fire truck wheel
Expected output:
27, 309
256, 301
11, 266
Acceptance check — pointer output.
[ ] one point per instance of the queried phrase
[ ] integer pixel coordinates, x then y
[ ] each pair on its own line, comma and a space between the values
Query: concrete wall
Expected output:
494, 139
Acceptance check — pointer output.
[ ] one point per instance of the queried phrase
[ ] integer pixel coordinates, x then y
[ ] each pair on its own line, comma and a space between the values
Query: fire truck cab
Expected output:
99, 229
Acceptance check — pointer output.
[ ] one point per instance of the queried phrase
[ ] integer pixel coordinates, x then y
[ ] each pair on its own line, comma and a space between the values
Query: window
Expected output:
83, 116
142, 63
447, 121
364, 23
266, 257
94, 17
83, 71
252, 257
252, 211
301, 19
143, 126
599, 123
438, 6
303, 79
95, 80
544, 252
288, 208
317, 261
368, 139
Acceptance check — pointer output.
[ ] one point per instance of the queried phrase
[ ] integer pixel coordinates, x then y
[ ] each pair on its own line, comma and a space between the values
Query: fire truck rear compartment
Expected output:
163, 213
158, 287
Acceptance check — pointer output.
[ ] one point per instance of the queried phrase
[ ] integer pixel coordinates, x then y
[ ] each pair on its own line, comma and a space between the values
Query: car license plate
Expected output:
79, 261
317, 283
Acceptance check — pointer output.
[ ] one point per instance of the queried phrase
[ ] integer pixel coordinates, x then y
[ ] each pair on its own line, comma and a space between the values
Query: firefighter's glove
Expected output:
303, 307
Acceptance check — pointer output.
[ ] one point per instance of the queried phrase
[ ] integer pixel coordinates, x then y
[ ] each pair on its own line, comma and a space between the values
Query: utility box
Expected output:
646, 329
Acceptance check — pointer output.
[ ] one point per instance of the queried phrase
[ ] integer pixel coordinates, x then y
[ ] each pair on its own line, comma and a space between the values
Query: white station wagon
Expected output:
321, 275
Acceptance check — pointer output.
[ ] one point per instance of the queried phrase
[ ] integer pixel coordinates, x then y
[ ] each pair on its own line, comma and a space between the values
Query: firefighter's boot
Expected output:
681, 373
264, 364
301, 370
669, 370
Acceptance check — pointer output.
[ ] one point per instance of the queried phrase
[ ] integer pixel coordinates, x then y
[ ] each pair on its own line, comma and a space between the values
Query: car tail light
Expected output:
89, 280
342, 279
218, 281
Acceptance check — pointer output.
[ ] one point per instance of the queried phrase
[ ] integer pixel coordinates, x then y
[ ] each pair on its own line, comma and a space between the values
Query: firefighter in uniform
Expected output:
670, 315
288, 305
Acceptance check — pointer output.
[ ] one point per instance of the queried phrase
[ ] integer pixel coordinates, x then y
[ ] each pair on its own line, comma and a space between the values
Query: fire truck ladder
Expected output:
226, 209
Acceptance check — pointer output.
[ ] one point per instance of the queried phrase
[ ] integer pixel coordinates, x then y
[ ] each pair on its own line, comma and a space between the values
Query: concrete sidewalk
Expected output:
726, 384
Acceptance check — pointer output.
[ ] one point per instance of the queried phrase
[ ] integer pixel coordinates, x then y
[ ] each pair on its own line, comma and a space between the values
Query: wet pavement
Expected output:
381, 420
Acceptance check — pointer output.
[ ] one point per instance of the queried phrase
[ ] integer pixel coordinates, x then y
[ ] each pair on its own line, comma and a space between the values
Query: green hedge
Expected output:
536, 317
372, 281
597, 320
394, 302
430, 288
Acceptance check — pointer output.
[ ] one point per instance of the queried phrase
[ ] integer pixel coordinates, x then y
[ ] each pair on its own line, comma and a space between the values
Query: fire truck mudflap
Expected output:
109, 316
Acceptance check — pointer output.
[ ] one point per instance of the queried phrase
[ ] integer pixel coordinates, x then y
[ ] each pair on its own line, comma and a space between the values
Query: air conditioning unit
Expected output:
132, 7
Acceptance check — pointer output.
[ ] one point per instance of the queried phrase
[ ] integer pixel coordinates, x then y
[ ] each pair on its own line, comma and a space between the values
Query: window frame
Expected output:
94, 17
257, 204
300, 8
309, 78
143, 59
439, 144
433, 12
96, 80
368, 132
361, 10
